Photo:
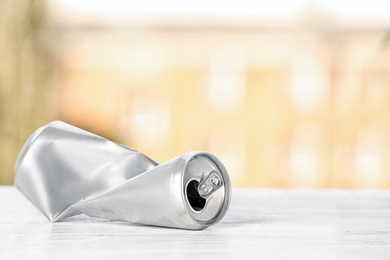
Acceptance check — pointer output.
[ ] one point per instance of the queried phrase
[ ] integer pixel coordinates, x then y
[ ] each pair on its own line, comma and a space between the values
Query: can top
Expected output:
207, 189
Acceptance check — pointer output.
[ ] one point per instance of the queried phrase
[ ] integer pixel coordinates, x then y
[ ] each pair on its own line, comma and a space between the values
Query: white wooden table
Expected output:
261, 224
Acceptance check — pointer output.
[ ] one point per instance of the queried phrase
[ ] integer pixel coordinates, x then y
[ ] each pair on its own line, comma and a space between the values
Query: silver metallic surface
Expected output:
65, 171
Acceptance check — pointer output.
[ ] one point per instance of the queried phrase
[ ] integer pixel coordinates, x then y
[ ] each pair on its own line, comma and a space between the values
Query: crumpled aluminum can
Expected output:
65, 171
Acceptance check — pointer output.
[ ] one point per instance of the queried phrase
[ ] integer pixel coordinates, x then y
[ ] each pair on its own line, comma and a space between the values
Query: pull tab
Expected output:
209, 184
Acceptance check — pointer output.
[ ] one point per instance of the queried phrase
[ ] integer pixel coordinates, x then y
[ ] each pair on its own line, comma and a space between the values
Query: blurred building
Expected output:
286, 94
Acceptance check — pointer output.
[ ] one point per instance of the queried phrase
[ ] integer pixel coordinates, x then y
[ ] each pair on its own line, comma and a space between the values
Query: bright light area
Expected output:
227, 81
369, 161
377, 11
146, 123
214, 8
368, 10
305, 155
309, 87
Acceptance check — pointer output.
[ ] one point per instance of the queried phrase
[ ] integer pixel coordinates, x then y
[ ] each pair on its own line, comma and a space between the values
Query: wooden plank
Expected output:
261, 223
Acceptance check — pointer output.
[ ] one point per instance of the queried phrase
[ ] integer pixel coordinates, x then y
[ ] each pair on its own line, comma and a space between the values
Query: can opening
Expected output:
195, 200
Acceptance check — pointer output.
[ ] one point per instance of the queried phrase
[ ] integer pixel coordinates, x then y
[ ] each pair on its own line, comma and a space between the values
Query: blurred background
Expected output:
286, 93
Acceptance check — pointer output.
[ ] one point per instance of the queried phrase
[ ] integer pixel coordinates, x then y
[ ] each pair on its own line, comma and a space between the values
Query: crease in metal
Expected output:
65, 171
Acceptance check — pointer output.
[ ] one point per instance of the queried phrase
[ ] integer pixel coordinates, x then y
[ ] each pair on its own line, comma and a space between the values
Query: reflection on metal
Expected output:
65, 171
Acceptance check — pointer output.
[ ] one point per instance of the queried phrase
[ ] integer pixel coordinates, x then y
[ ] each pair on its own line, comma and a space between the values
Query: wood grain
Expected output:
261, 224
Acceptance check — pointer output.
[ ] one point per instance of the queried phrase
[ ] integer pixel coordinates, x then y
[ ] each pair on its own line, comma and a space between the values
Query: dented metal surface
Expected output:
65, 171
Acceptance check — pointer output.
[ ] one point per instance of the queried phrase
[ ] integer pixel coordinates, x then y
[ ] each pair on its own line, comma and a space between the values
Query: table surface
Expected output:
261, 223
